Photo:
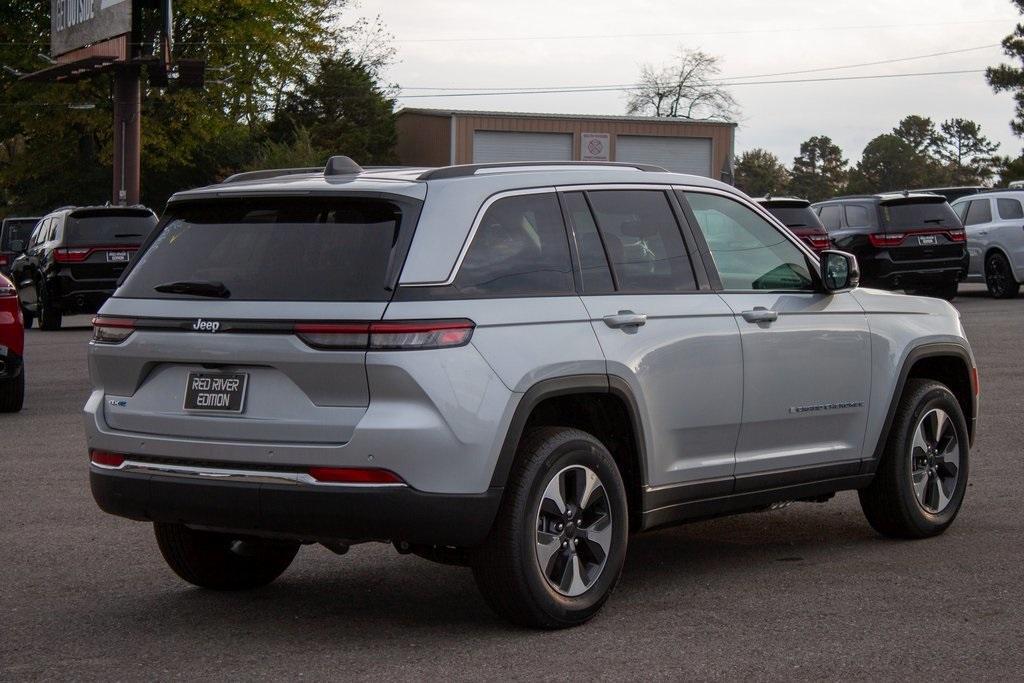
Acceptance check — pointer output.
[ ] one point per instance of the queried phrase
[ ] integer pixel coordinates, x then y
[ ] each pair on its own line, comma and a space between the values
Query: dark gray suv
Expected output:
510, 367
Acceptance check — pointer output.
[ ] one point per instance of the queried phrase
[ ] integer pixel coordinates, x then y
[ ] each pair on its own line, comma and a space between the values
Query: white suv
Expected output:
995, 239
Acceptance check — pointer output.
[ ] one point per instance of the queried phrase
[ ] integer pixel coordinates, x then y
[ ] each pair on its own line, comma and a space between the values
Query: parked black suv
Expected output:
14, 232
73, 259
797, 215
910, 241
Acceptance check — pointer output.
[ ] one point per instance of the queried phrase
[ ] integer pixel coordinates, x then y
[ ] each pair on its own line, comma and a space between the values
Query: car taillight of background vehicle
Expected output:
818, 243
7, 290
71, 254
895, 239
390, 336
3, 260
111, 330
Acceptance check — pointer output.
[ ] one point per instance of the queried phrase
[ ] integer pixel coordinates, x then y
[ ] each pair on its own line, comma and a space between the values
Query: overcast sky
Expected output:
751, 37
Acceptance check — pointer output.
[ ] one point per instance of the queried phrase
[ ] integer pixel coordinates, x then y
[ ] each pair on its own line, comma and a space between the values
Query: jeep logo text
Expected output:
206, 326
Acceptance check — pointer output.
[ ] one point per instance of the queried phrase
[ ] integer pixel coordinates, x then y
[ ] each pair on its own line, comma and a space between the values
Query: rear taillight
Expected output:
881, 239
7, 290
111, 330
3, 260
354, 475
391, 336
818, 243
106, 458
71, 254
957, 235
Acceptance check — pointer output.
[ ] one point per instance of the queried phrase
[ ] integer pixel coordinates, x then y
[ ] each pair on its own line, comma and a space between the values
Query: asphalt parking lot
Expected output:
809, 591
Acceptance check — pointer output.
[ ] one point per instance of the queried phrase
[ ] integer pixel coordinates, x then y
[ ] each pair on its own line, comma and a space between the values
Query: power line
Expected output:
636, 87
904, 25
724, 79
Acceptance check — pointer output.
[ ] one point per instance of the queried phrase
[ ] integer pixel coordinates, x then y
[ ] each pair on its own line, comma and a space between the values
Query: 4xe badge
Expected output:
206, 325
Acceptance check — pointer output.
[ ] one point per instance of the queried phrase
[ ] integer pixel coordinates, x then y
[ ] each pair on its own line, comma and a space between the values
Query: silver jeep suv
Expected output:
511, 367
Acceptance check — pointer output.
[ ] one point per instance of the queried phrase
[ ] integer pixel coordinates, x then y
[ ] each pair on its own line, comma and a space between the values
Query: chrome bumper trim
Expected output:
227, 474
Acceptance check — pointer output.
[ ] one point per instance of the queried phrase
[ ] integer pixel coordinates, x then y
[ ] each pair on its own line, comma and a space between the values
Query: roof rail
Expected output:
465, 170
267, 173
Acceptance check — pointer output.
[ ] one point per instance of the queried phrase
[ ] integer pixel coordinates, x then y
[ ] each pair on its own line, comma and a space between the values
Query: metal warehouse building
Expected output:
438, 137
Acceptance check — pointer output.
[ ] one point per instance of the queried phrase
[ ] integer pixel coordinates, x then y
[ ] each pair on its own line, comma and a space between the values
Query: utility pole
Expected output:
127, 134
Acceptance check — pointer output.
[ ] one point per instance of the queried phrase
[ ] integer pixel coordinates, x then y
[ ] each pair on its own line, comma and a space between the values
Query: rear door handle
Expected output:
625, 319
760, 314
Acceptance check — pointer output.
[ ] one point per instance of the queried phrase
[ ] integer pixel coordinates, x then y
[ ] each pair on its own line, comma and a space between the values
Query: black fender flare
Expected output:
567, 386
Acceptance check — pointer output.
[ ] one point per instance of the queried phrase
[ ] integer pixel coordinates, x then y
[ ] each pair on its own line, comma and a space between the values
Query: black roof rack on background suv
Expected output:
465, 170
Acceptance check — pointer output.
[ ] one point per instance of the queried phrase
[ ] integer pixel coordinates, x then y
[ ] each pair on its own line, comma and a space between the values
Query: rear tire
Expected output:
12, 393
917, 490
557, 547
50, 317
223, 562
999, 277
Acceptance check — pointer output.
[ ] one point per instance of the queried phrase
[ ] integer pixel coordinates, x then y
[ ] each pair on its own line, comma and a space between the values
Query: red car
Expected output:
12, 346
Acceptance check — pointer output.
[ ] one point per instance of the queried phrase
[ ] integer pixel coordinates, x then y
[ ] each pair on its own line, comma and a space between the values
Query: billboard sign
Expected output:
77, 23
594, 146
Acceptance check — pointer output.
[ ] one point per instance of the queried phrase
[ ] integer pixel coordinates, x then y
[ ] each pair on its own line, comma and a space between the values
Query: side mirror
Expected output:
17, 246
839, 271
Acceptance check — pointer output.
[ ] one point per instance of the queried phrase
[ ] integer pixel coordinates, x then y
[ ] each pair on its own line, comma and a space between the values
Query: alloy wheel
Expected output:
574, 530
935, 461
997, 276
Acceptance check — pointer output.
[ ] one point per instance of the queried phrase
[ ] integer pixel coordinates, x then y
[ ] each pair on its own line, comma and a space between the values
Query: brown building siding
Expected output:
425, 138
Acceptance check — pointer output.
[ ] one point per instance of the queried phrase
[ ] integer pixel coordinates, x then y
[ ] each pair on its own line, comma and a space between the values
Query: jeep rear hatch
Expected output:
253, 295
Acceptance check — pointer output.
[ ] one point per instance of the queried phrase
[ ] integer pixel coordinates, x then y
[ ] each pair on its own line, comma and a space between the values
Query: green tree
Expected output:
1008, 169
819, 171
888, 163
966, 152
344, 109
917, 131
759, 172
1007, 78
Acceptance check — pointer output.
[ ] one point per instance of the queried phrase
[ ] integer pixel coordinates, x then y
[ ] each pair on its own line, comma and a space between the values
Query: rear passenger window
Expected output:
597, 278
643, 241
857, 216
749, 252
830, 217
520, 249
1010, 209
980, 211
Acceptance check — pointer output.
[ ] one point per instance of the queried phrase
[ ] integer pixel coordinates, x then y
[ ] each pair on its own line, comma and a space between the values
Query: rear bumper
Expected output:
883, 272
82, 296
309, 512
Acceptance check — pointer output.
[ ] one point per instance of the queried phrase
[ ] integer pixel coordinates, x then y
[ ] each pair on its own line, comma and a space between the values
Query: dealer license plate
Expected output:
218, 392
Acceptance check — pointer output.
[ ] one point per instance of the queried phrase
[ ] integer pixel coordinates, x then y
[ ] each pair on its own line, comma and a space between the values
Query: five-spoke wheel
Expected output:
935, 460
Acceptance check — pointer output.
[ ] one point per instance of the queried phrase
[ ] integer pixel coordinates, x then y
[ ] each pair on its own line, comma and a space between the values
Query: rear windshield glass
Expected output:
108, 228
335, 249
796, 216
17, 230
904, 215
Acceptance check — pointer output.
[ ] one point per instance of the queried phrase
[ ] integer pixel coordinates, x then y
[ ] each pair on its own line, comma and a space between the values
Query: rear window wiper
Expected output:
215, 290
128, 234
933, 220
796, 225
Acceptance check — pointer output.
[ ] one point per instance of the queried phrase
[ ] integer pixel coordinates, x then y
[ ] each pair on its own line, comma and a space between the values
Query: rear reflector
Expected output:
393, 336
975, 382
354, 475
111, 330
106, 458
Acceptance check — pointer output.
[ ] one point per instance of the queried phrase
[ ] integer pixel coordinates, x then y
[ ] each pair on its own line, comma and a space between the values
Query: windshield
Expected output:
927, 214
335, 249
108, 228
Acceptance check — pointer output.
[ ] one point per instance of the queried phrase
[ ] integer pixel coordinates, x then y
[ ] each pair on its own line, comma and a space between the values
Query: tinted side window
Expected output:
52, 235
39, 234
643, 241
597, 277
520, 249
961, 210
980, 211
830, 217
749, 253
857, 216
1010, 209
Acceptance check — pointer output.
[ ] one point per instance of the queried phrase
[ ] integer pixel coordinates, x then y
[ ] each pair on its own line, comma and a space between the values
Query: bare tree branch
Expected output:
687, 88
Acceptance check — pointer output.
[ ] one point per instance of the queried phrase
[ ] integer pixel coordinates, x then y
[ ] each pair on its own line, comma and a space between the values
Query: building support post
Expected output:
127, 134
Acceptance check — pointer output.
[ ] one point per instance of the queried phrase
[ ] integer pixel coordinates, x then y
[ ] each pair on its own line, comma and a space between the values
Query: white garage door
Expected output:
682, 155
493, 145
